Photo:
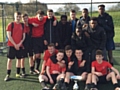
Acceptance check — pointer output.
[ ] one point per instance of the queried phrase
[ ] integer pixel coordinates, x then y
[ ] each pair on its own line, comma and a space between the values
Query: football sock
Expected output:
23, 70
8, 72
38, 63
18, 70
115, 85
43, 84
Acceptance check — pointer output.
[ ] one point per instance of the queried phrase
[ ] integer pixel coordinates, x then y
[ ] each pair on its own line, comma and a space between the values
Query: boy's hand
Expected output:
98, 73
87, 35
35, 25
17, 47
82, 63
55, 23
56, 44
51, 81
118, 76
71, 63
45, 42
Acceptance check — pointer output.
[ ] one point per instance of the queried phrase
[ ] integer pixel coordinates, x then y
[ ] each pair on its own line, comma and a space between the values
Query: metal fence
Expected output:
7, 11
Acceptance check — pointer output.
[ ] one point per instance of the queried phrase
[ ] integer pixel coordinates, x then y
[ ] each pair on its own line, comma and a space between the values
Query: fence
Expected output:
7, 11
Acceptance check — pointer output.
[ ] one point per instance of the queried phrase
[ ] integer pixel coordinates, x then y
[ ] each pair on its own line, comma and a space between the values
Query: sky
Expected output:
55, 7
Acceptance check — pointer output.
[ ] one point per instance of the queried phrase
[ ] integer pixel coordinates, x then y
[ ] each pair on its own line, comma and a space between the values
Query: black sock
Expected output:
62, 80
32, 68
93, 85
43, 84
18, 70
23, 70
66, 84
38, 63
8, 72
115, 85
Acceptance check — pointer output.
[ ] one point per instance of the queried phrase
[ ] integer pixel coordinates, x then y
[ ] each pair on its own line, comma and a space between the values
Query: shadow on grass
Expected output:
27, 79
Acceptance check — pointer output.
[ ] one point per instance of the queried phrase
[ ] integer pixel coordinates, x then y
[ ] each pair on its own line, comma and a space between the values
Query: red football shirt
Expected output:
39, 30
101, 67
27, 29
17, 33
47, 54
54, 67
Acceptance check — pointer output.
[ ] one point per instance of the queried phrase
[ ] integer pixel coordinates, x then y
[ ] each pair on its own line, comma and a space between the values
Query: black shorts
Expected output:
27, 52
102, 79
13, 53
38, 45
54, 77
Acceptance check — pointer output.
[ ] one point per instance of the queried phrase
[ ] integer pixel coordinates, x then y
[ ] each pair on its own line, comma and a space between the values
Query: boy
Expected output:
28, 49
38, 36
16, 36
73, 21
77, 67
47, 54
84, 19
100, 74
105, 21
63, 32
49, 29
53, 71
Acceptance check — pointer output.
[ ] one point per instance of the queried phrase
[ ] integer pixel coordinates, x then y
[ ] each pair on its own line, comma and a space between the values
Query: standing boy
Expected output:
37, 36
100, 74
16, 36
28, 48
105, 21
49, 29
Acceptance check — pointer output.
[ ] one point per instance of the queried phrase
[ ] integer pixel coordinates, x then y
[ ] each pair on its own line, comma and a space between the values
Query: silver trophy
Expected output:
76, 78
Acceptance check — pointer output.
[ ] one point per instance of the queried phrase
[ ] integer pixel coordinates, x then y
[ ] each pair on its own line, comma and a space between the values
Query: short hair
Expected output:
24, 15
40, 12
68, 47
101, 6
63, 16
49, 10
51, 45
79, 27
94, 18
85, 9
60, 51
18, 13
73, 11
99, 52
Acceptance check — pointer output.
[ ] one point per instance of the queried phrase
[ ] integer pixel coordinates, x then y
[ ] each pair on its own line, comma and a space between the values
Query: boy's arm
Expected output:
43, 67
22, 40
82, 63
10, 38
96, 73
116, 71
48, 73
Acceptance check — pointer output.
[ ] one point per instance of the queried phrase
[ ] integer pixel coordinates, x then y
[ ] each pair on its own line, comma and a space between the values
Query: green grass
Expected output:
31, 81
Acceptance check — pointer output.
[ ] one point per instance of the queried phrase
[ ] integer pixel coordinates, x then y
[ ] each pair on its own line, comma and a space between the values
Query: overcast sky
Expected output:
55, 7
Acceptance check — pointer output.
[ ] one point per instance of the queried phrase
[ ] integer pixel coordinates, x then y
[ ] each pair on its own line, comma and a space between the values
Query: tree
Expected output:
115, 7
68, 7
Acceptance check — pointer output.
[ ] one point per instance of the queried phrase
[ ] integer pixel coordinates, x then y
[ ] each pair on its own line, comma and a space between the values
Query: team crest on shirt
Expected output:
103, 67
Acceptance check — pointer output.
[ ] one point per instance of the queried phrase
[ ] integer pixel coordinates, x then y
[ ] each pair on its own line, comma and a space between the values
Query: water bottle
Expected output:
75, 86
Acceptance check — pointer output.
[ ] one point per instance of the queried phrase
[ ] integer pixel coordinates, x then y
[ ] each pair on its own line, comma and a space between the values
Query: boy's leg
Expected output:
94, 82
18, 65
84, 75
9, 65
23, 66
31, 63
88, 81
43, 79
114, 79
